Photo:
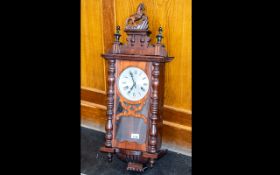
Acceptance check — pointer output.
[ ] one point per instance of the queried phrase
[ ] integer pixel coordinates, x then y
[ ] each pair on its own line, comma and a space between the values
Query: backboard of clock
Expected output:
135, 94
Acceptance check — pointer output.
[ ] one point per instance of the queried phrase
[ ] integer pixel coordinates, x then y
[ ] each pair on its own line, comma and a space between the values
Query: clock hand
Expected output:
134, 83
130, 89
132, 77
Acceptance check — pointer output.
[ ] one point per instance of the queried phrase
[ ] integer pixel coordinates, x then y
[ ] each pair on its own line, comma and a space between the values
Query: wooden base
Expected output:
137, 160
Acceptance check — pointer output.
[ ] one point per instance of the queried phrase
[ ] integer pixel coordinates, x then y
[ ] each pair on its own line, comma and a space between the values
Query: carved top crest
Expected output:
138, 21
138, 45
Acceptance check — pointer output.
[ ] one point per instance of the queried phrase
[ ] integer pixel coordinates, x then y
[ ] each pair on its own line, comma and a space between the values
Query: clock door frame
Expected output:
121, 65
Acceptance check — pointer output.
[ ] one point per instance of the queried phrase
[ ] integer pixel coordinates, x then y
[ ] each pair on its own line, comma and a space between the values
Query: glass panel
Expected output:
129, 128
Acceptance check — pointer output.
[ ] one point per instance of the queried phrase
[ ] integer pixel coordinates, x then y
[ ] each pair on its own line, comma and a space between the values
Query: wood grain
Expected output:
108, 18
92, 64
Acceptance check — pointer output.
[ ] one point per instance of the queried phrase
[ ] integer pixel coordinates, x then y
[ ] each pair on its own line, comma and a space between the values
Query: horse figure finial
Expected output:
139, 20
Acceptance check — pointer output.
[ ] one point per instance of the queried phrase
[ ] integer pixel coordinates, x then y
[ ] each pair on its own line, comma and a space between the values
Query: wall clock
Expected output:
135, 95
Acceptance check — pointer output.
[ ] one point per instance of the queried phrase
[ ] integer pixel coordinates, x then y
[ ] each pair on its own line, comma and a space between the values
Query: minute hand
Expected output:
134, 84
132, 78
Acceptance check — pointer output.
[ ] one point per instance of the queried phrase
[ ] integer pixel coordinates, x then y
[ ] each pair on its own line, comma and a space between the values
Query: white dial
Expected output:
133, 83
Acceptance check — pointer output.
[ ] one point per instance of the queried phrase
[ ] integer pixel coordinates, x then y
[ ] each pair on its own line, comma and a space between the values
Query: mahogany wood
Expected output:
110, 104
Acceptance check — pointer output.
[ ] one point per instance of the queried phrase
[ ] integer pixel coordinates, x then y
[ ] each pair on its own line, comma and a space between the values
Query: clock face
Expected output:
133, 83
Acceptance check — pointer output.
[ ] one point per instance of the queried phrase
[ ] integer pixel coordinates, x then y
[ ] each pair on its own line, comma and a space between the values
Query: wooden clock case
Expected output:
137, 52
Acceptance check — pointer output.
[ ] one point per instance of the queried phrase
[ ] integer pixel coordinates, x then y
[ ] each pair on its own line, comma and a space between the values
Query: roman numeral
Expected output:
142, 89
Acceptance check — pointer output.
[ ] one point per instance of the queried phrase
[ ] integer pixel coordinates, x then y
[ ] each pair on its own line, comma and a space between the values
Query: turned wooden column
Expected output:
154, 112
110, 103
154, 108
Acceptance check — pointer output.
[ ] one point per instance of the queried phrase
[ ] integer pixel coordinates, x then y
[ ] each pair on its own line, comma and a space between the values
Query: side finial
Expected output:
159, 36
118, 28
117, 34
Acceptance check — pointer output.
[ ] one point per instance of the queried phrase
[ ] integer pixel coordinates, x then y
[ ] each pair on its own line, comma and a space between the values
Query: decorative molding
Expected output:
187, 128
93, 96
178, 109
93, 89
92, 105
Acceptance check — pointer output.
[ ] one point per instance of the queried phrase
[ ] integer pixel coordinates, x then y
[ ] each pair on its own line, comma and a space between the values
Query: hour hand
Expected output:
131, 88
134, 84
